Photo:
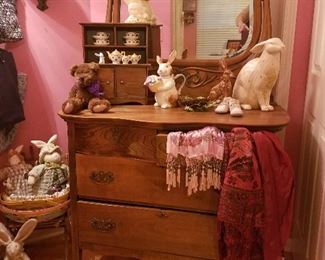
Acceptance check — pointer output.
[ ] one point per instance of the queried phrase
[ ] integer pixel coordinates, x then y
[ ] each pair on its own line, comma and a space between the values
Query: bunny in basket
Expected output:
15, 247
164, 86
50, 175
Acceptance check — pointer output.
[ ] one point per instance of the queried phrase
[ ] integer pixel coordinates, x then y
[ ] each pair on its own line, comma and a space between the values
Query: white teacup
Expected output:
101, 35
132, 42
132, 35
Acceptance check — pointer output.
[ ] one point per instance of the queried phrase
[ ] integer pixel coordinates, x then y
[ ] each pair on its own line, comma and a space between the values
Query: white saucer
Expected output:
131, 44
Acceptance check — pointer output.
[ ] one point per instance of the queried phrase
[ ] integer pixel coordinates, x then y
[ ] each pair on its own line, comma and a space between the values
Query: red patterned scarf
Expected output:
240, 212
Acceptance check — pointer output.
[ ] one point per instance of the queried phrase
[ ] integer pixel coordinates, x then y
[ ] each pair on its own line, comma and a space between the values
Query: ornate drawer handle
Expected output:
102, 225
101, 176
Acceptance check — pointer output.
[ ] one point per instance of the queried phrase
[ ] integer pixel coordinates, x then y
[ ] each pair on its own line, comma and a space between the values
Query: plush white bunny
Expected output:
166, 94
15, 247
257, 78
51, 175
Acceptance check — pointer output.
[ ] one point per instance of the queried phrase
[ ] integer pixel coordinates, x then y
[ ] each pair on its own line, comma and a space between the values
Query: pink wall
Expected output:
299, 73
51, 45
161, 9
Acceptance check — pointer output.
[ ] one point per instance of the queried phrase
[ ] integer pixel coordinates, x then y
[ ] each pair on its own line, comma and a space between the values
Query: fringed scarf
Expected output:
241, 205
201, 152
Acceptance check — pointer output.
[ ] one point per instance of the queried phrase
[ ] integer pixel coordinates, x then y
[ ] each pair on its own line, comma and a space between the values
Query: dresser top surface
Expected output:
176, 118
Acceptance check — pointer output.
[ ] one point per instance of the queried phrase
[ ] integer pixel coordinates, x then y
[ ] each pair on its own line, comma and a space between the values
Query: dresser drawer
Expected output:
135, 181
167, 231
124, 141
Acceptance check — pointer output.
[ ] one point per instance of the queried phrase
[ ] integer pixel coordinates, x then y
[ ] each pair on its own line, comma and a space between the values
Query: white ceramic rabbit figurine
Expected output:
166, 94
101, 58
51, 175
257, 78
14, 247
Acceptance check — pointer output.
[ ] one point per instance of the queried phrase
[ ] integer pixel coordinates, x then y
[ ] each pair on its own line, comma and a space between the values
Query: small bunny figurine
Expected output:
166, 94
223, 88
51, 175
101, 58
14, 247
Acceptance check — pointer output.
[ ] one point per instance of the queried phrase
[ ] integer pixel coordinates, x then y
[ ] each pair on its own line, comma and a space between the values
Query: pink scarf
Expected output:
201, 152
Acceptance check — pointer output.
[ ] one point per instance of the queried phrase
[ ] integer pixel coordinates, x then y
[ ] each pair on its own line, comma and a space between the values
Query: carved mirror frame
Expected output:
203, 74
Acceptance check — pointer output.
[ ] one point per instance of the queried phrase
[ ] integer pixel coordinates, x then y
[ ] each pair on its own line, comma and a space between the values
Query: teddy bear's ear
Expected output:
93, 66
73, 69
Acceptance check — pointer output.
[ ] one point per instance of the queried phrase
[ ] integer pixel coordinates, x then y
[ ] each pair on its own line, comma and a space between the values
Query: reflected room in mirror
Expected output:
210, 29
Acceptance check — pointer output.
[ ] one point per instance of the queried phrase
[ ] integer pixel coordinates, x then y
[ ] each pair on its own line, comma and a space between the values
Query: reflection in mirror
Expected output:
212, 29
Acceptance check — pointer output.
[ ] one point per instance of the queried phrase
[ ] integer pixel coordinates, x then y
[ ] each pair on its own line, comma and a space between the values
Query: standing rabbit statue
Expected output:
164, 86
256, 79
51, 175
15, 247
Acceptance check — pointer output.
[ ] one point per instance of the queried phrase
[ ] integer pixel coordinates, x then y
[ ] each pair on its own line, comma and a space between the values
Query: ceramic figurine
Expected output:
13, 176
140, 11
115, 56
135, 58
224, 87
15, 247
101, 58
51, 175
126, 59
257, 78
164, 86
229, 105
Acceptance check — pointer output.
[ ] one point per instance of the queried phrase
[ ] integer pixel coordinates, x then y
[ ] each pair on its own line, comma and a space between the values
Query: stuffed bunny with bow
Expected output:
50, 175
15, 247
164, 86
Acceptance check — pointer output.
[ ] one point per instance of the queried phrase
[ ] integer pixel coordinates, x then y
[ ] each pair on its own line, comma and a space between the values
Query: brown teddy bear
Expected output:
86, 92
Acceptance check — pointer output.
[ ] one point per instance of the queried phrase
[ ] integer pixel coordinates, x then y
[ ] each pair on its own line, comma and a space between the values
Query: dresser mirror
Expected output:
202, 67
212, 29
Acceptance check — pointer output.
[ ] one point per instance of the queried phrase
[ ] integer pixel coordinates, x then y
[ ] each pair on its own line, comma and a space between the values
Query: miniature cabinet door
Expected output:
129, 82
106, 78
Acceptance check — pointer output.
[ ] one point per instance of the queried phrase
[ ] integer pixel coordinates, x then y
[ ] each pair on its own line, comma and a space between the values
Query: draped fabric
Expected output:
11, 97
241, 207
278, 185
256, 187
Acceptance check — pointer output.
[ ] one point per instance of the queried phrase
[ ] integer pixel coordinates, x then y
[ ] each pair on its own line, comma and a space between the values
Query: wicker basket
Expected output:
35, 203
43, 214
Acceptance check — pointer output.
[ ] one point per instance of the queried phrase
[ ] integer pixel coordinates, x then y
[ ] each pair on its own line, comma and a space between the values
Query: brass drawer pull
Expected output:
101, 176
102, 225
162, 214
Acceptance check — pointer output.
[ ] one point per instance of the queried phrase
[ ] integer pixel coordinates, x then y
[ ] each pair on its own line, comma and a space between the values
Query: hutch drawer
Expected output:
168, 231
135, 182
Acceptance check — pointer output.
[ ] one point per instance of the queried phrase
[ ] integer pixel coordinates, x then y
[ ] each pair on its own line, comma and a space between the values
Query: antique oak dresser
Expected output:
120, 205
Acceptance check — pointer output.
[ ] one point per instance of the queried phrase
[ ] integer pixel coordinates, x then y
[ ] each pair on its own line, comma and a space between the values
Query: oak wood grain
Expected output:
167, 231
136, 181
111, 140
